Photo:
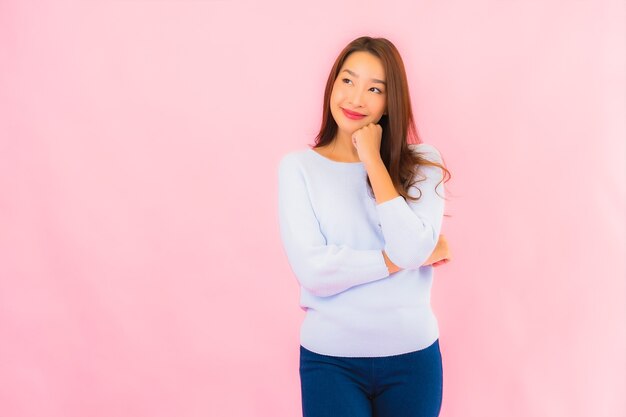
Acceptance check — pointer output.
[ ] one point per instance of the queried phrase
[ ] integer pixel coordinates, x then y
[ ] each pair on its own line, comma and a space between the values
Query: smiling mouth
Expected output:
352, 115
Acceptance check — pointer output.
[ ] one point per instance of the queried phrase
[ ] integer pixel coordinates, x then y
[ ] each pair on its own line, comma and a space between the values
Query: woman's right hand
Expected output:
441, 254
390, 265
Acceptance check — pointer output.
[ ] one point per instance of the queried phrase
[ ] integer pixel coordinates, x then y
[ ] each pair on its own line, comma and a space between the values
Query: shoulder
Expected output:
428, 151
292, 161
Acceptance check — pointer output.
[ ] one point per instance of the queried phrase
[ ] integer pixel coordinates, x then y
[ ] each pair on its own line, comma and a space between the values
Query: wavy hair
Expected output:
398, 124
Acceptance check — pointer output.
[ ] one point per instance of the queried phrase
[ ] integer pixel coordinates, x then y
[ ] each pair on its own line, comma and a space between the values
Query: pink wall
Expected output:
141, 271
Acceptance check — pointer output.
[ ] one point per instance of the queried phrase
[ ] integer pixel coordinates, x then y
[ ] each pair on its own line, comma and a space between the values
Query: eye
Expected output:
378, 90
346, 79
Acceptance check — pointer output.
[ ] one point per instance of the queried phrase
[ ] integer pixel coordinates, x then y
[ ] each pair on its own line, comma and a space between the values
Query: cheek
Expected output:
335, 97
338, 93
380, 105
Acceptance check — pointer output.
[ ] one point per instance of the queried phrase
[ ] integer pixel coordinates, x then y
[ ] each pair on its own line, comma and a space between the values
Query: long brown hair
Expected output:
398, 124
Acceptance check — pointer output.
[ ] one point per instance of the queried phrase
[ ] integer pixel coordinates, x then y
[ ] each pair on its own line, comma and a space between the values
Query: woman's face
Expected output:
359, 88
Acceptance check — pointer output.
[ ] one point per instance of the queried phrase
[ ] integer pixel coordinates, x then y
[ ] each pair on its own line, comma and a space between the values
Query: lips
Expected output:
352, 115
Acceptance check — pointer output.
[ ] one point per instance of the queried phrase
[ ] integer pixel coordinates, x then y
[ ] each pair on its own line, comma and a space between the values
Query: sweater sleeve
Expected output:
321, 268
411, 228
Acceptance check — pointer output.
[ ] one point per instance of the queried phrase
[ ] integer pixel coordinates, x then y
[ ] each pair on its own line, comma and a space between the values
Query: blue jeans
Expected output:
407, 385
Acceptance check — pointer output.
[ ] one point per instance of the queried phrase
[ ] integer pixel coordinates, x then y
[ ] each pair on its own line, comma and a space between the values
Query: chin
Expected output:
351, 127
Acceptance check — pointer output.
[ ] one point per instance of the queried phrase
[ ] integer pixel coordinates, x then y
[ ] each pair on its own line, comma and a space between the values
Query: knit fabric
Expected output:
333, 232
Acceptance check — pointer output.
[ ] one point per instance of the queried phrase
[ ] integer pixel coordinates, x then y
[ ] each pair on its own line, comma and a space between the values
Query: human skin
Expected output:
360, 88
441, 254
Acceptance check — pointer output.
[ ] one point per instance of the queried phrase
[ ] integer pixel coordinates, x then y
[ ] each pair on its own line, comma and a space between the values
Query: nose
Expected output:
356, 97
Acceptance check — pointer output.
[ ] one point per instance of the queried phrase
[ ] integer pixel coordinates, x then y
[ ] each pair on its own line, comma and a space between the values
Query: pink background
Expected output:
141, 271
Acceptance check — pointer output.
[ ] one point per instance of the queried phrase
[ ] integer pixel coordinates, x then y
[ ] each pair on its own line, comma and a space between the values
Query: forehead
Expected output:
364, 63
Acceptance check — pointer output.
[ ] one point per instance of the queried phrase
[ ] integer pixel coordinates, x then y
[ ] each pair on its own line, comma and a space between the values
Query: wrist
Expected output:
390, 265
372, 160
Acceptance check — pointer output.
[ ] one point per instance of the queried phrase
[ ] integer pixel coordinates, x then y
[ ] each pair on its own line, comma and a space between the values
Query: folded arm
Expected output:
411, 228
321, 268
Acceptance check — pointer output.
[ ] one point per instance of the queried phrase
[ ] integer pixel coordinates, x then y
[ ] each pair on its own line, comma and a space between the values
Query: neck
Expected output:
342, 147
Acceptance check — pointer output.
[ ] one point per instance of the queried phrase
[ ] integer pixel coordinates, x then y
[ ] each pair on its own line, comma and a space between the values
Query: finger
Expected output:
441, 262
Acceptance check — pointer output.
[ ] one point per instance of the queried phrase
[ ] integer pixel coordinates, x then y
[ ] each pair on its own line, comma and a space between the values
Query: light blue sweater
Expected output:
333, 232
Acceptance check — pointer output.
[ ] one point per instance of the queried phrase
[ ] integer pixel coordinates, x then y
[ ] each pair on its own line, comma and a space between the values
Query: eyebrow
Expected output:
373, 79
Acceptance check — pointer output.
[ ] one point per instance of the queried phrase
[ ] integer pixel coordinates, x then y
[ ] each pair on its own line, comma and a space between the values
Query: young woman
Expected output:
360, 216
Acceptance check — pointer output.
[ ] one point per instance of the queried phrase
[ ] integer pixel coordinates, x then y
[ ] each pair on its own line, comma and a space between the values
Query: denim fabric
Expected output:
407, 385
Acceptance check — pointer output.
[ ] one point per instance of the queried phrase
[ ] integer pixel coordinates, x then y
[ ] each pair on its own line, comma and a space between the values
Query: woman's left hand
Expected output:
367, 140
